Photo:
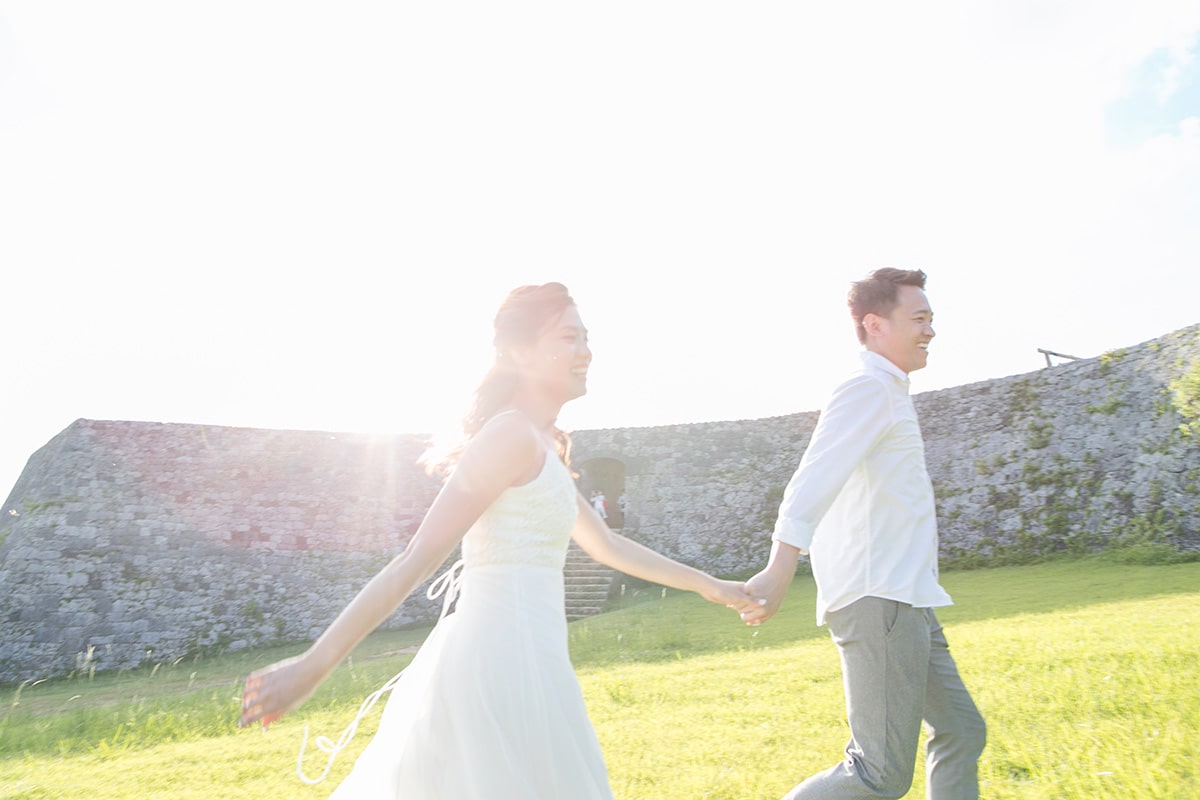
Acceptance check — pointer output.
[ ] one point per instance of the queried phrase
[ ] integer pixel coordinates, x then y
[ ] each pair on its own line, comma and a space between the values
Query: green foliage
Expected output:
986, 468
771, 505
1110, 406
1062, 523
31, 506
961, 559
1146, 553
1185, 391
945, 491
1107, 360
1003, 499
1165, 403
1034, 477
252, 611
1039, 435
1022, 399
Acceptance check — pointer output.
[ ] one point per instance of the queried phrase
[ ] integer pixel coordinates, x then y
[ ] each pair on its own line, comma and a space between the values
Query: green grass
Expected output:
1086, 672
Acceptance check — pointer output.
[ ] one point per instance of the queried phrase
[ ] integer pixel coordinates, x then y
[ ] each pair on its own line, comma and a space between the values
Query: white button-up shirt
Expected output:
861, 502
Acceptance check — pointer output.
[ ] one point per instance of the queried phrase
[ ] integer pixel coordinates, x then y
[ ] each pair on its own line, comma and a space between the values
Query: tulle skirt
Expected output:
490, 706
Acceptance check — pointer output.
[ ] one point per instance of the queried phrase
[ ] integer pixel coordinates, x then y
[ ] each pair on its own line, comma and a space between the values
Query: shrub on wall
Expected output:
1186, 392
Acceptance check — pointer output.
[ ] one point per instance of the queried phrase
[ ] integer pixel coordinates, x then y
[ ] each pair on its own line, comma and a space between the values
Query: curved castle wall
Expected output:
1071, 457
127, 542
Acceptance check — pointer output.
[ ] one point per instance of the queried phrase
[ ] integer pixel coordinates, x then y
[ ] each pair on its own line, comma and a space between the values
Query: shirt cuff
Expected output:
794, 532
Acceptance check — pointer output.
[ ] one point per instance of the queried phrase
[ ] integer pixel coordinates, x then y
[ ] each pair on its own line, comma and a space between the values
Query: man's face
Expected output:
903, 335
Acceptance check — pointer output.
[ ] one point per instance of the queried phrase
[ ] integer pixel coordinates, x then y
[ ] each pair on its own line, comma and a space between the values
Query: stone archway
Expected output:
605, 476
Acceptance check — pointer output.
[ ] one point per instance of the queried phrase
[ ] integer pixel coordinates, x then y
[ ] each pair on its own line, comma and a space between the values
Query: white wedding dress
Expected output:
490, 706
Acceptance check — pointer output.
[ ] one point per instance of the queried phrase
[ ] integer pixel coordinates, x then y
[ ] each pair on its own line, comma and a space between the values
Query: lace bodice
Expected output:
528, 525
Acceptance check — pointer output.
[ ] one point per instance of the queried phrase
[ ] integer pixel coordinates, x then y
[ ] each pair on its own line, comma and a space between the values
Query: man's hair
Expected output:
878, 293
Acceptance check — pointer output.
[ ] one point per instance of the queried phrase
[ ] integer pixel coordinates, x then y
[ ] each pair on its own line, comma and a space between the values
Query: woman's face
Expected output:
557, 364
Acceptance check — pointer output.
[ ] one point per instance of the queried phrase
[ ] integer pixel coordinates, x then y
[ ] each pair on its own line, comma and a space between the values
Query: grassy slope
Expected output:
1084, 670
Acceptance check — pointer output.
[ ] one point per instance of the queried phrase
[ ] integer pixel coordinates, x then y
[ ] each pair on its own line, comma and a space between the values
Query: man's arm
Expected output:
857, 415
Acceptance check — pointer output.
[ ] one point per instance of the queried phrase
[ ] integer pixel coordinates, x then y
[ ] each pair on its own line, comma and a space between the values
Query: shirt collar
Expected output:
873, 360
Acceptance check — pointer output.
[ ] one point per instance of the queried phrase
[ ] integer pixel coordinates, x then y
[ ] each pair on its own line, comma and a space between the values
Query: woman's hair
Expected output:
878, 293
523, 316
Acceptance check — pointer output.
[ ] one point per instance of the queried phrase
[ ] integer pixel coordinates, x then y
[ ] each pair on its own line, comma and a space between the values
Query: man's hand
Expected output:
772, 583
770, 586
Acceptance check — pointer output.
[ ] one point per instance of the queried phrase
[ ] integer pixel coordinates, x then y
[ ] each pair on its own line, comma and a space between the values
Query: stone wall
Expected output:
129, 542
1071, 458
1068, 458
704, 493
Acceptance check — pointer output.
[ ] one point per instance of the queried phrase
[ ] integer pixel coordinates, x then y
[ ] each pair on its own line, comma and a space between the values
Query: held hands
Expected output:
273, 691
771, 586
731, 594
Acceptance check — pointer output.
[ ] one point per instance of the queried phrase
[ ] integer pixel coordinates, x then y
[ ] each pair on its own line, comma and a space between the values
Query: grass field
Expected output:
1087, 673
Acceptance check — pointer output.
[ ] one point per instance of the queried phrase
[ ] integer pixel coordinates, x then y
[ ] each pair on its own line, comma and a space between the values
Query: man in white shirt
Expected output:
861, 506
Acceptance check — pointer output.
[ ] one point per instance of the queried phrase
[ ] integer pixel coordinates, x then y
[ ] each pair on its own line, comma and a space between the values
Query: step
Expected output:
586, 584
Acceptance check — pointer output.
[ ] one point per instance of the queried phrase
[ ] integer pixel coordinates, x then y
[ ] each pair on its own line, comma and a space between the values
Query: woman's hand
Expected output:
273, 691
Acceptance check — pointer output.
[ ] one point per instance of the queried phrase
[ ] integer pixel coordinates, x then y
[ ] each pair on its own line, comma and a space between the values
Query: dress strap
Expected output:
446, 584
332, 748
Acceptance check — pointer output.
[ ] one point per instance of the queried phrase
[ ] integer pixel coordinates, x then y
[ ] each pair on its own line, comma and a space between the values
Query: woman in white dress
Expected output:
490, 707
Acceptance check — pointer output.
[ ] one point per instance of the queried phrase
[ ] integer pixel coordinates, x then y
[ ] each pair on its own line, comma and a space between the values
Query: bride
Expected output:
490, 706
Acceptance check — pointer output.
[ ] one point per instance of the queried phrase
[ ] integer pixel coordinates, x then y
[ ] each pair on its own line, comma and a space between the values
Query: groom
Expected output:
861, 506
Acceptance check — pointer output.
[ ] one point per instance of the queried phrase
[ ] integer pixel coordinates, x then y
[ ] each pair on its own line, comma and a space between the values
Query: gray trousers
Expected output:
896, 671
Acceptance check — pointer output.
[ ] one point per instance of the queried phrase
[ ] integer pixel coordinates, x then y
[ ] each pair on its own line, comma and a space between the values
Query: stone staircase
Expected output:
586, 584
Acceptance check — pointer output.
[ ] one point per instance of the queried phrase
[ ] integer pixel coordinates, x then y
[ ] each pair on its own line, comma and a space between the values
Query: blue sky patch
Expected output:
1162, 94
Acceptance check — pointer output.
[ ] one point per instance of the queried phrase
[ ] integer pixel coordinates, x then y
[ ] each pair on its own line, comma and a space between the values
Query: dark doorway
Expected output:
602, 481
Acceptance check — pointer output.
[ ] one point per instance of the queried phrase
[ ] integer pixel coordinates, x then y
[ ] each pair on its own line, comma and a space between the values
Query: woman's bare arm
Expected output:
612, 549
500, 455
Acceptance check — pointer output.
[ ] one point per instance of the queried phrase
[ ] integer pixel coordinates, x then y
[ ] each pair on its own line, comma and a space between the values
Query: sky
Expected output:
304, 215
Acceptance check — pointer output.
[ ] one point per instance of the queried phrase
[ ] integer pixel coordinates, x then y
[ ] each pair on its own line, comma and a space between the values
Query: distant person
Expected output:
861, 506
600, 504
490, 706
